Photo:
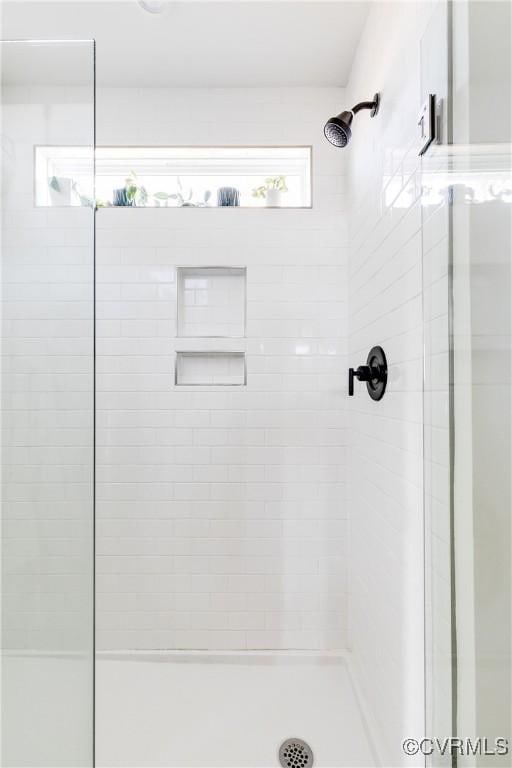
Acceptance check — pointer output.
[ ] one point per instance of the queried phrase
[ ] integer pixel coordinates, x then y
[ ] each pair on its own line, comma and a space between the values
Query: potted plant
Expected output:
132, 194
60, 190
228, 197
183, 199
271, 191
85, 200
136, 193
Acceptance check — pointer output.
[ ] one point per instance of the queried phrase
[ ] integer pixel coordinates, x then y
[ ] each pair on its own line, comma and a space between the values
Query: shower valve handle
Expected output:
363, 373
374, 373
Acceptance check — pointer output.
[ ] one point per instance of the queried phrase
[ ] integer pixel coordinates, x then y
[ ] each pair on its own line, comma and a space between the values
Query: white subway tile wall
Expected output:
386, 599
222, 511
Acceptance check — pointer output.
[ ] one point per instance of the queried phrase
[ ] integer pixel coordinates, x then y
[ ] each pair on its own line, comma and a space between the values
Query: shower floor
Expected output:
233, 709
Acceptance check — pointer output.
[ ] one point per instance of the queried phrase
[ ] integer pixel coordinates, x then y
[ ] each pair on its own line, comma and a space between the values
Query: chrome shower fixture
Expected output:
337, 129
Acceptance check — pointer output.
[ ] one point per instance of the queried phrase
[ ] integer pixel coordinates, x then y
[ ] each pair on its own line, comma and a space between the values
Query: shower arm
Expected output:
373, 105
362, 105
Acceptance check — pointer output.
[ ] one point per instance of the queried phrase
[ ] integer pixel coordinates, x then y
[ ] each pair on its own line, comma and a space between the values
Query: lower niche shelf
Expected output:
210, 369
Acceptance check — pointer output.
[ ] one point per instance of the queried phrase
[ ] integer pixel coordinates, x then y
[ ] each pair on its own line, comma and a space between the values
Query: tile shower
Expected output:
212, 554
221, 510
222, 516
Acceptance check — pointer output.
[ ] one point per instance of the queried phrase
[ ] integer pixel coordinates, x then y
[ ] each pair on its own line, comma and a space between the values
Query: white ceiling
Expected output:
195, 42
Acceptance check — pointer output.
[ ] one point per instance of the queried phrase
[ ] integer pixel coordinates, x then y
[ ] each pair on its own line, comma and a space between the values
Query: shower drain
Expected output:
295, 753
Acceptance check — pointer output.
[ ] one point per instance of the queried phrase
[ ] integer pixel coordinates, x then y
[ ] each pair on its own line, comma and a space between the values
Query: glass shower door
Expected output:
47, 403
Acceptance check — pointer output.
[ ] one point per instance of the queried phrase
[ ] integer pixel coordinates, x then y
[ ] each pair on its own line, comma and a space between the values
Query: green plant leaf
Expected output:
85, 201
273, 182
260, 191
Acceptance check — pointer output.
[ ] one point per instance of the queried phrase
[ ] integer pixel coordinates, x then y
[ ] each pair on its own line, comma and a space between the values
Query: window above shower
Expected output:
174, 177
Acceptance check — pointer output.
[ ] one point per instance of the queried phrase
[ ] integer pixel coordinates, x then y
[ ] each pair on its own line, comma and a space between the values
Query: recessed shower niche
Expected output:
213, 368
211, 302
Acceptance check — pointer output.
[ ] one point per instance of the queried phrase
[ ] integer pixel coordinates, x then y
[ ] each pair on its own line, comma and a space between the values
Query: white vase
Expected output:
273, 199
61, 196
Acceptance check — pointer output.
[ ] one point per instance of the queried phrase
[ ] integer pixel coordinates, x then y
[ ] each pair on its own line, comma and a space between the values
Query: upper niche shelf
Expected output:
174, 176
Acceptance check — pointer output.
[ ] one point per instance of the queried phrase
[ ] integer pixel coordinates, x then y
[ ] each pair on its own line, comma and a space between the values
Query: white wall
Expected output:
222, 515
386, 600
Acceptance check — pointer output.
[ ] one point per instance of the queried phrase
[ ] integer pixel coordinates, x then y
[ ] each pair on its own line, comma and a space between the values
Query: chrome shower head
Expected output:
337, 129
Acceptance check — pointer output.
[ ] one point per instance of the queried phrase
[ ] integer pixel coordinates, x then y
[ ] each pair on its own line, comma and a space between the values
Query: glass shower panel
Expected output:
436, 394
47, 410
468, 405
482, 413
